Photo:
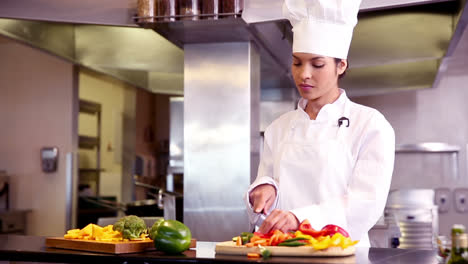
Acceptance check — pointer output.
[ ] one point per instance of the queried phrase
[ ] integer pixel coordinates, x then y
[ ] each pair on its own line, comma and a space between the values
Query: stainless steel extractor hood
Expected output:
397, 45
405, 47
134, 55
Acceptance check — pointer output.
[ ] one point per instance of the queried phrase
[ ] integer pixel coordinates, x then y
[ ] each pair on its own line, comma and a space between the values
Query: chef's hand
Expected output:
262, 198
279, 220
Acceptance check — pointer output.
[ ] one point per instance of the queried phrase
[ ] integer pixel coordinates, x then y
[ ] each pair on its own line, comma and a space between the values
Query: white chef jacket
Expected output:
369, 142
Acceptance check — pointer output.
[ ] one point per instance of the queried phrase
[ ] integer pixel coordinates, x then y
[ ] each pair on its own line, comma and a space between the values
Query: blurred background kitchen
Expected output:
164, 116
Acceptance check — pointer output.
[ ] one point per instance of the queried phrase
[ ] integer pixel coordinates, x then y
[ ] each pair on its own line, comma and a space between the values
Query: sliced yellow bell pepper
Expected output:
347, 242
336, 240
322, 244
300, 234
95, 232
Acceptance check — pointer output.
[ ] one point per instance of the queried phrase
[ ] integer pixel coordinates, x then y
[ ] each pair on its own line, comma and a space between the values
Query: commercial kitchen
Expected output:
124, 107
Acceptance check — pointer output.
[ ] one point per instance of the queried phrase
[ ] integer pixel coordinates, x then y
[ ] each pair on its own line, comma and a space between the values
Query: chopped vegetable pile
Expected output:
98, 233
170, 236
328, 236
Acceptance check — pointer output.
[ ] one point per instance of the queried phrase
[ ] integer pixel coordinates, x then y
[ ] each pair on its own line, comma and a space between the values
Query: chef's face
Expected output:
316, 76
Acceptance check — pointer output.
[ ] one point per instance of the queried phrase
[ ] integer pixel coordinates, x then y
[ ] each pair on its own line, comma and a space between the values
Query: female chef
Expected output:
331, 160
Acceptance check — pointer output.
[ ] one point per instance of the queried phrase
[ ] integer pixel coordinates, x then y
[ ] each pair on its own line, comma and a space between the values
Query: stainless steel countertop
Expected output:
32, 248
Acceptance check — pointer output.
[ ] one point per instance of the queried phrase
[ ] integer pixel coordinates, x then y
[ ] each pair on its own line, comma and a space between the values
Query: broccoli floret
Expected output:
131, 226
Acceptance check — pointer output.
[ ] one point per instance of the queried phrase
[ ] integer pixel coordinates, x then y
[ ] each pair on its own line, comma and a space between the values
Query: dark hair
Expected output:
338, 60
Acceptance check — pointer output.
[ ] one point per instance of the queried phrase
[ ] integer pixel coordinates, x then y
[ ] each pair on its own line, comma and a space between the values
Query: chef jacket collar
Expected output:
329, 112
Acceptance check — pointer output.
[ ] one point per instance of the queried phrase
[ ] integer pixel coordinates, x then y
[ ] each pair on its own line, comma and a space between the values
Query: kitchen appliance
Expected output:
11, 221
108, 207
169, 203
415, 214
4, 192
165, 204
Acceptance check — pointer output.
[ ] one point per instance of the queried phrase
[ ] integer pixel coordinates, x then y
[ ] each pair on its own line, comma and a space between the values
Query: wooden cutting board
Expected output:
99, 246
230, 248
103, 247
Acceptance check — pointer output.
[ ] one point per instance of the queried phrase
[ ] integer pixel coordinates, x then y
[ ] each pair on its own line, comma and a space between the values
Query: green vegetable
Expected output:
246, 236
131, 226
172, 237
266, 254
154, 229
292, 244
295, 239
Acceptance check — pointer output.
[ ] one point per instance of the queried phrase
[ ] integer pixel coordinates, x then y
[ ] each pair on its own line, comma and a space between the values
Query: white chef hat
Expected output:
322, 27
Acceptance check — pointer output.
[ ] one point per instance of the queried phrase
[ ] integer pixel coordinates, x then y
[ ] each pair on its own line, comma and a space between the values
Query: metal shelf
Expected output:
203, 31
87, 142
428, 147
91, 143
90, 170
431, 148
89, 107
163, 19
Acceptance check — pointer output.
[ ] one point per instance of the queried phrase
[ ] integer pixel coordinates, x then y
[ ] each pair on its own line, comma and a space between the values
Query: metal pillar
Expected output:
221, 136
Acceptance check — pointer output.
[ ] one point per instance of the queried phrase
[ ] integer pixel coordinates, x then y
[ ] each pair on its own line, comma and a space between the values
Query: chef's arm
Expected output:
264, 176
368, 187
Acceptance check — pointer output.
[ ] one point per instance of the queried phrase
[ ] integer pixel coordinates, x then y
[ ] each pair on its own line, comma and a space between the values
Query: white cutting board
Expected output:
230, 248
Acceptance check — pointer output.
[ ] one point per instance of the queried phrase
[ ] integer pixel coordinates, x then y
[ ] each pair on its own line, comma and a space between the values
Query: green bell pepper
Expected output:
172, 237
154, 229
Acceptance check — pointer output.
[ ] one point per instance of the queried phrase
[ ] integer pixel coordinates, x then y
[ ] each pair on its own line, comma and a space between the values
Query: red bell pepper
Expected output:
307, 229
330, 230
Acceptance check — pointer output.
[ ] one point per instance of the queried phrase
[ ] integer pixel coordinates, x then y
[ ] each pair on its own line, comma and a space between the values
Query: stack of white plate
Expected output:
416, 235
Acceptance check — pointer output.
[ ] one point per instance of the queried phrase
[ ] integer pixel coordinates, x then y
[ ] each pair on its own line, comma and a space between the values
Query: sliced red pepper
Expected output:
278, 237
269, 235
307, 229
330, 230
304, 225
313, 233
